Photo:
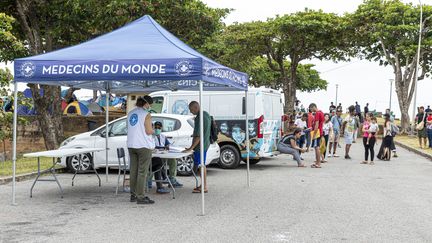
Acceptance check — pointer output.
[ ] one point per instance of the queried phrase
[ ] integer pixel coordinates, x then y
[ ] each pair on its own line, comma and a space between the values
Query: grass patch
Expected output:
24, 166
412, 142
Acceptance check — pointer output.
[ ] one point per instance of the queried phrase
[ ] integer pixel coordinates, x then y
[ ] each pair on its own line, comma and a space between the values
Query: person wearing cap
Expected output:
140, 145
162, 142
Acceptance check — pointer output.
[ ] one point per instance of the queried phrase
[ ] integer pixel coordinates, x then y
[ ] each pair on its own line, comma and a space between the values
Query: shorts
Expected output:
335, 138
348, 138
197, 157
422, 133
316, 143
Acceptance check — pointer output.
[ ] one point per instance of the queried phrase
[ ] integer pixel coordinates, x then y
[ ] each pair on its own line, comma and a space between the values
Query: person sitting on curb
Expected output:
288, 145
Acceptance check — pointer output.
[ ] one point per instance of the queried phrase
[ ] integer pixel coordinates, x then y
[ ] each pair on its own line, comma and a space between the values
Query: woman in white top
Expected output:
140, 146
328, 131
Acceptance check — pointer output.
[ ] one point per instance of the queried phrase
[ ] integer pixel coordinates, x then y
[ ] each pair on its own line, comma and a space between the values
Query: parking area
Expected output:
342, 202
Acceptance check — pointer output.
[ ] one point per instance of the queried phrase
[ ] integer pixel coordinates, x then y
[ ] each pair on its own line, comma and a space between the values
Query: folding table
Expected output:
58, 153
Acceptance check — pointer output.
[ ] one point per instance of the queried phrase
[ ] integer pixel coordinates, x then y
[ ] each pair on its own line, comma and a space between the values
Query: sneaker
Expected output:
330, 155
176, 184
395, 155
133, 198
335, 155
301, 158
162, 190
145, 200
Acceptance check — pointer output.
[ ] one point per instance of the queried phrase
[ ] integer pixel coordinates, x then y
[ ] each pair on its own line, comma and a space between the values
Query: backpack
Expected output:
214, 131
394, 130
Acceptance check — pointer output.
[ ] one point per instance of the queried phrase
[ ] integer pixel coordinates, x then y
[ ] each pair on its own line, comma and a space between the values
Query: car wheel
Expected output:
229, 157
86, 162
185, 166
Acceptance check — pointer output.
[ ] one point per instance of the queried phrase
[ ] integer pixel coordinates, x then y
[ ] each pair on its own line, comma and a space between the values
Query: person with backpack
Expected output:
194, 108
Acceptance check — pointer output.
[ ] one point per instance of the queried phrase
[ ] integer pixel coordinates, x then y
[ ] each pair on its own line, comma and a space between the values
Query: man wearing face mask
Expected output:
162, 143
140, 145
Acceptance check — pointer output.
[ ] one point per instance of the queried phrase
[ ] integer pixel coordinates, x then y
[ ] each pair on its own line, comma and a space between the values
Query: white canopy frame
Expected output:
14, 148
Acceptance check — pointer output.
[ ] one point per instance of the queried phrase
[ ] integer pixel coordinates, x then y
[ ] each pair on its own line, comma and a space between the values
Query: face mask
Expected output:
158, 131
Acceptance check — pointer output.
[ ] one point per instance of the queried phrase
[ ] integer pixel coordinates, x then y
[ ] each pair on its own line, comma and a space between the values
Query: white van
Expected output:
228, 109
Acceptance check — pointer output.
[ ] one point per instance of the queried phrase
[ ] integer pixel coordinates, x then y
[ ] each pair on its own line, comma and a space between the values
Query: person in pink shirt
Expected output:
370, 129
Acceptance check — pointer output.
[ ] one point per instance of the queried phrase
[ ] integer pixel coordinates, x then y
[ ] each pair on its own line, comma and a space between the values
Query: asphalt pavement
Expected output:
342, 202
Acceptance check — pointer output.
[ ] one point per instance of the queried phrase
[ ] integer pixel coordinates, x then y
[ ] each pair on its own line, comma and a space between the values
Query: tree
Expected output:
294, 37
387, 32
261, 74
49, 25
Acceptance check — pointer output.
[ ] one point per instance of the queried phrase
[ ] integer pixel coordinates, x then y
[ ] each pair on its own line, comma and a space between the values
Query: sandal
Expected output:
302, 166
364, 162
315, 166
198, 190
371, 163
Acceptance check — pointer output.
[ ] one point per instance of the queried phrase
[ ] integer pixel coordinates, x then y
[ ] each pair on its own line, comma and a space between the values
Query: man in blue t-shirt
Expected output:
337, 124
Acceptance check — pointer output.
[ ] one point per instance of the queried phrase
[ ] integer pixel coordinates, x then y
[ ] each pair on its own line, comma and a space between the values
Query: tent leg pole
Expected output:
107, 93
247, 139
201, 121
14, 144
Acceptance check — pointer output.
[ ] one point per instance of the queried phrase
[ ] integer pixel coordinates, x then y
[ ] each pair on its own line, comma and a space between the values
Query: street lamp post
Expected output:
391, 87
417, 67
336, 102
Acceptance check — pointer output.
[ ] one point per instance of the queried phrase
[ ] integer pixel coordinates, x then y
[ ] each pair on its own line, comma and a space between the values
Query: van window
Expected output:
157, 104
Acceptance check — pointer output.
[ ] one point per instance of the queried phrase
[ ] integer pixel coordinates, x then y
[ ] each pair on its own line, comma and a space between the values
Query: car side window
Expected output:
168, 124
119, 128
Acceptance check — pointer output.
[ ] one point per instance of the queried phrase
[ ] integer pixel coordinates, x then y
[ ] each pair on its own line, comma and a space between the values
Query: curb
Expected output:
28, 176
416, 151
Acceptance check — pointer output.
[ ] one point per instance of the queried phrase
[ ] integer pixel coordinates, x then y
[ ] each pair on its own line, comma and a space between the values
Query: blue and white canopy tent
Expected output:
139, 57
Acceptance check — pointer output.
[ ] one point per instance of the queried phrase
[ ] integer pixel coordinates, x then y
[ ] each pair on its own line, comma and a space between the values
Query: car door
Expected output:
117, 139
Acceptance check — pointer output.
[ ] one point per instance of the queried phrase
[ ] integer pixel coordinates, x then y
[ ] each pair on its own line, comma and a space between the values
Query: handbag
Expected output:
420, 126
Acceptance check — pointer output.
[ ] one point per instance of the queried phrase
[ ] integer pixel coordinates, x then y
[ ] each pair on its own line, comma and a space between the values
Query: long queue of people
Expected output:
322, 133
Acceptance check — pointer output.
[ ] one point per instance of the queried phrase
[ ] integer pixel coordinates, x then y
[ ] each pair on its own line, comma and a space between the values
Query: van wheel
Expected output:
73, 163
229, 157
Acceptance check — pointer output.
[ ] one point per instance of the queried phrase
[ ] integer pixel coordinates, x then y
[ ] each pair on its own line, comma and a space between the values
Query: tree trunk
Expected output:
290, 88
49, 115
404, 102
48, 105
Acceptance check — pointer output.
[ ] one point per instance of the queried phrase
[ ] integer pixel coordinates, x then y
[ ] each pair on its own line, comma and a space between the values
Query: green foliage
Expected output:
261, 74
394, 25
64, 23
10, 46
271, 51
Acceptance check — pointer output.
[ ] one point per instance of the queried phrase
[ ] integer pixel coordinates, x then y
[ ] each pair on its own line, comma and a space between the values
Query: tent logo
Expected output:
28, 69
183, 68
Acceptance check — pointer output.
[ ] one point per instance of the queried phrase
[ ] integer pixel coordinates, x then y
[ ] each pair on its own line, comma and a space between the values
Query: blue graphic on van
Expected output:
180, 107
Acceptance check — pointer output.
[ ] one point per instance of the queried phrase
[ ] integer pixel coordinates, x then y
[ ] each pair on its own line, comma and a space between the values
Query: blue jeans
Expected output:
308, 138
429, 133
301, 141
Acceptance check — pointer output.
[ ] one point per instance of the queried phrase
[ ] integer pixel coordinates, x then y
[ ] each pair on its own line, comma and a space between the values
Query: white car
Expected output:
177, 128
